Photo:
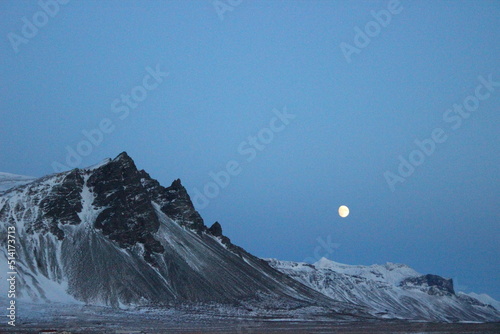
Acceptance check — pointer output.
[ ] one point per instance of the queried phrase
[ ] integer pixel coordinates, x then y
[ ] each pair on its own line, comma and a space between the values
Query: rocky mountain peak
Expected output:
124, 157
177, 204
176, 184
122, 162
215, 229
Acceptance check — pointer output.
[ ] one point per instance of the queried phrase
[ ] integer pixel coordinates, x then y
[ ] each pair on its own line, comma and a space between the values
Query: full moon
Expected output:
343, 211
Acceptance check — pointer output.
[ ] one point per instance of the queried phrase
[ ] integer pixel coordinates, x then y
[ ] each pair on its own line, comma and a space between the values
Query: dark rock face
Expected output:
128, 217
61, 206
216, 231
437, 285
175, 202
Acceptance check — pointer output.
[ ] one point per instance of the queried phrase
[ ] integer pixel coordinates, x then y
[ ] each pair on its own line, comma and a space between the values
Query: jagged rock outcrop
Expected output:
216, 230
433, 284
128, 216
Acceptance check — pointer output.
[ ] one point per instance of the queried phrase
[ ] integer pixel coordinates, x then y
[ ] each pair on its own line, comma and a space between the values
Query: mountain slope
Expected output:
390, 290
111, 235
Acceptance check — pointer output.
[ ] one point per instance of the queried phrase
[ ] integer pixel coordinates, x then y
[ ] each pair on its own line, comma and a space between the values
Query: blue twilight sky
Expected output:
229, 68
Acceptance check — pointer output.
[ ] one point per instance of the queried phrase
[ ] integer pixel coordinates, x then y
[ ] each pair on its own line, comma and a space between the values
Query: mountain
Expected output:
390, 290
111, 235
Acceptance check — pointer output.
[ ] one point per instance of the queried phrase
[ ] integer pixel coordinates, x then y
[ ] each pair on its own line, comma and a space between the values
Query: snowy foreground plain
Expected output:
33, 318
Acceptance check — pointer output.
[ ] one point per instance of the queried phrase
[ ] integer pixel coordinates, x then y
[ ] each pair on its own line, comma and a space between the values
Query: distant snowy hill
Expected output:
390, 290
8, 181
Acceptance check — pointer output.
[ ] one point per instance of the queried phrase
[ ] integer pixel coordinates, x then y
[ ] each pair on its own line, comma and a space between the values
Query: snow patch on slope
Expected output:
89, 213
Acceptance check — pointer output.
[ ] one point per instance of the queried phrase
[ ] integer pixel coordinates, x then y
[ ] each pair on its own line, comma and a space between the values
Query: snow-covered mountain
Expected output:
390, 290
111, 235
